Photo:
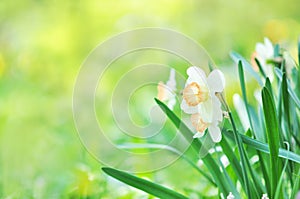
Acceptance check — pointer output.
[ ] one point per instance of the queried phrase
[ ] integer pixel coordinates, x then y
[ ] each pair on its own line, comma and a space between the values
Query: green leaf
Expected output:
171, 149
209, 162
276, 50
242, 157
293, 95
263, 73
272, 135
277, 192
264, 147
268, 85
237, 57
244, 92
299, 51
234, 162
296, 185
257, 185
286, 105
144, 185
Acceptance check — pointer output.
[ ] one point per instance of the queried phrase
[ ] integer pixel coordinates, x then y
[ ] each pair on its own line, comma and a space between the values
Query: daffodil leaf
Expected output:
278, 195
232, 159
296, 186
273, 136
239, 143
257, 185
144, 185
171, 149
286, 102
209, 162
237, 57
264, 147
276, 50
268, 85
299, 51
261, 70
293, 95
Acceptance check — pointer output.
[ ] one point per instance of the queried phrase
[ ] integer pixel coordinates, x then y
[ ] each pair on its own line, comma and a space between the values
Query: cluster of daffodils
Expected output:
199, 99
265, 54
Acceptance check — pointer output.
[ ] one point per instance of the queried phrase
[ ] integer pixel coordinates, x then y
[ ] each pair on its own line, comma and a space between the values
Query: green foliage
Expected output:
145, 185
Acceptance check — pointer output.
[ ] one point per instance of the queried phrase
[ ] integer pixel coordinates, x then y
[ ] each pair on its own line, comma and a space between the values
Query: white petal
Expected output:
269, 72
196, 74
261, 52
171, 103
241, 111
217, 111
269, 48
198, 135
257, 95
216, 81
171, 83
215, 133
260, 49
206, 111
198, 80
188, 109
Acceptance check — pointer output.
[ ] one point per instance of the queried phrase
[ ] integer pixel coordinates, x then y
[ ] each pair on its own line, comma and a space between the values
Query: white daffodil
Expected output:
289, 63
265, 52
230, 196
265, 196
200, 100
166, 92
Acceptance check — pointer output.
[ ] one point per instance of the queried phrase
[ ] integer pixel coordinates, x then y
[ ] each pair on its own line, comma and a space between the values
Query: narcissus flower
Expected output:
264, 52
166, 92
200, 100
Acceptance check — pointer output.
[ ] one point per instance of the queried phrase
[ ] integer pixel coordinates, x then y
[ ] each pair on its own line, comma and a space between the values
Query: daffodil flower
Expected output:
200, 100
166, 92
265, 52
230, 196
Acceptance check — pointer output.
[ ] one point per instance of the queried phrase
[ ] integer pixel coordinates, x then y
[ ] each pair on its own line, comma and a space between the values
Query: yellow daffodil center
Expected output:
198, 123
194, 94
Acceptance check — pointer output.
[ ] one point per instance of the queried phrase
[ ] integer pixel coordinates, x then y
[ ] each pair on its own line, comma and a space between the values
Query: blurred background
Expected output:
43, 44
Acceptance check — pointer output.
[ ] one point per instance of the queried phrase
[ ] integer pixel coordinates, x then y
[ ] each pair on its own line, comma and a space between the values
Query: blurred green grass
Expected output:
42, 45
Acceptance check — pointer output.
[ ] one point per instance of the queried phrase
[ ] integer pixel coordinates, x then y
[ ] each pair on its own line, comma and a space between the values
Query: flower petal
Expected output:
171, 83
198, 135
217, 113
188, 109
196, 74
216, 81
172, 102
215, 133
206, 111
269, 47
